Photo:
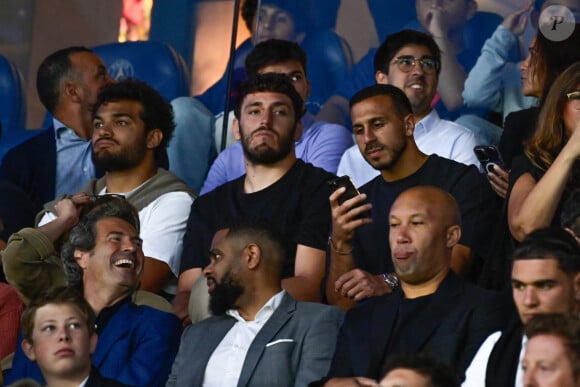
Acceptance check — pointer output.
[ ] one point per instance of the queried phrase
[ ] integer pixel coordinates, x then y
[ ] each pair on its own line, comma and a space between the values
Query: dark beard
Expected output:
224, 296
264, 155
130, 157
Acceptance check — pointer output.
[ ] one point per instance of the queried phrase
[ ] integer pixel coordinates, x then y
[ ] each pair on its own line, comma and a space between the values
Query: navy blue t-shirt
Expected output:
371, 250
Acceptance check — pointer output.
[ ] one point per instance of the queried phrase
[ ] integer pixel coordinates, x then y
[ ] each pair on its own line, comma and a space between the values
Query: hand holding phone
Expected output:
350, 192
488, 156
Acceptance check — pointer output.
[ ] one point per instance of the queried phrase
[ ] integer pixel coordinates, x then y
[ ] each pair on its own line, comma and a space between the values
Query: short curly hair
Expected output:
156, 114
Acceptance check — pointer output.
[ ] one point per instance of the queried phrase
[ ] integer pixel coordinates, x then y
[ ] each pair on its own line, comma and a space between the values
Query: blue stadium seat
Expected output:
12, 107
155, 63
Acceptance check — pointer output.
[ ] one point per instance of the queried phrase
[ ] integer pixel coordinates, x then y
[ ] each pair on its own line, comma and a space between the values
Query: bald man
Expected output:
433, 310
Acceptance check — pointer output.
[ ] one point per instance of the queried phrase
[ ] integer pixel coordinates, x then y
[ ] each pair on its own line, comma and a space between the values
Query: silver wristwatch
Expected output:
391, 280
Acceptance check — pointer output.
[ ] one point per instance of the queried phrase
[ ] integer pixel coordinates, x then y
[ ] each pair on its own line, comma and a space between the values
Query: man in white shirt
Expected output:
258, 335
58, 161
545, 280
411, 60
132, 126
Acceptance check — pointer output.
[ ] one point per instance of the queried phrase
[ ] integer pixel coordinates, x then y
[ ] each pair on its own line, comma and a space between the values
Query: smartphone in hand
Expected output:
350, 192
344, 181
488, 156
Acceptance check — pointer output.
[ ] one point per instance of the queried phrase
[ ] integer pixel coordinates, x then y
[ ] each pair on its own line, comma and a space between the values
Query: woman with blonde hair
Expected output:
549, 170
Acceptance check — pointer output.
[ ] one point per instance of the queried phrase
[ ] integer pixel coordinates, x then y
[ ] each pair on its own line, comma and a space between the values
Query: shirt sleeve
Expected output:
325, 148
31, 264
163, 224
197, 238
483, 86
315, 224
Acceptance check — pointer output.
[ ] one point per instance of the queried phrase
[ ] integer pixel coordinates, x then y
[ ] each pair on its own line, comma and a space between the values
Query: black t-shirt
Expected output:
371, 251
297, 204
519, 126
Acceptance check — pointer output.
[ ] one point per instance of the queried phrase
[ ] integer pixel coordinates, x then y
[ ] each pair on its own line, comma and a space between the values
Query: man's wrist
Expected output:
391, 280
339, 247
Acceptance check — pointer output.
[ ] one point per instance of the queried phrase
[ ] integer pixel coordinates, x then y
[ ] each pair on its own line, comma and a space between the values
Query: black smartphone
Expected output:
351, 192
344, 181
488, 156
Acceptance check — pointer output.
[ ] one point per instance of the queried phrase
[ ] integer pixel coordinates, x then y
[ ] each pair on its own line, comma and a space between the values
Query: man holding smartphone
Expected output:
411, 61
383, 125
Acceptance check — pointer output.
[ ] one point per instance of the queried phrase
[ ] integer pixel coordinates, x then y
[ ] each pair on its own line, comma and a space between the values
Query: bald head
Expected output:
439, 201
424, 226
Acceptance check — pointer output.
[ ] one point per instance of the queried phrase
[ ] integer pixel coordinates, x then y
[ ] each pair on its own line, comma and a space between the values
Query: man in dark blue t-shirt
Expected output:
383, 126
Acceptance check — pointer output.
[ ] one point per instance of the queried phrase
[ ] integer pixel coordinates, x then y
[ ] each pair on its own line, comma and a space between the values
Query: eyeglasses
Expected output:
575, 95
406, 63
93, 198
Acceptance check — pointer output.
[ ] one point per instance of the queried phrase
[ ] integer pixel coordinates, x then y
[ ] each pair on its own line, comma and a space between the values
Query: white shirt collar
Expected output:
265, 311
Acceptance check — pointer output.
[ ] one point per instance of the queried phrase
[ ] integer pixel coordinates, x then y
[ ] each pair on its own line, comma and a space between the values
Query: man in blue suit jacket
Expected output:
58, 160
433, 310
259, 335
104, 259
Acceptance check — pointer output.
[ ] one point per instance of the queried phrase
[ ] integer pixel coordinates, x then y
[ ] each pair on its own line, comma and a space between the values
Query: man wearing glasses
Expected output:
411, 60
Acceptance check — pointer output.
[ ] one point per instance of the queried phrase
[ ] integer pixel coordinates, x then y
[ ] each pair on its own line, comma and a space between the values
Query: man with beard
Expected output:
132, 126
58, 160
321, 144
383, 125
258, 334
411, 60
433, 311
277, 186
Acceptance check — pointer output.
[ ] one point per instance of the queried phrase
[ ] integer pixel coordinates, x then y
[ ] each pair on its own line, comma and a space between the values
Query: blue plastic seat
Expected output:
12, 107
155, 63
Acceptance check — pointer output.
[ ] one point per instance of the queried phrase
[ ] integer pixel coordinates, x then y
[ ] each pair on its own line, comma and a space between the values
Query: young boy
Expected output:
59, 334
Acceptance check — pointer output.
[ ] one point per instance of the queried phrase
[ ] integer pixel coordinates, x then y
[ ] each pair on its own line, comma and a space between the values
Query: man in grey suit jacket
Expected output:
258, 335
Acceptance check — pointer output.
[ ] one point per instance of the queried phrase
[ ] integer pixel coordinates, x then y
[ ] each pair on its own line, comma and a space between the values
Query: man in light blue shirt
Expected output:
73, 159
57, 161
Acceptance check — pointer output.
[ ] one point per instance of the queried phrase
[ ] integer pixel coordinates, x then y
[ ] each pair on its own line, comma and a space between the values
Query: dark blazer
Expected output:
32, 167
137, 347
452, 326
293, 348
97, 380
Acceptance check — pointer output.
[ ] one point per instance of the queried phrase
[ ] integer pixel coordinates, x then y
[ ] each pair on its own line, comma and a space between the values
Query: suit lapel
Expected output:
117, 327
206, 342
381, 326
278, 319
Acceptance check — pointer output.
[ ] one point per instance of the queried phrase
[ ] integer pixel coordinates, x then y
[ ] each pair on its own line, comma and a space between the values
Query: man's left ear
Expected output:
471, 10
252, 255
154, 138
453, 235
